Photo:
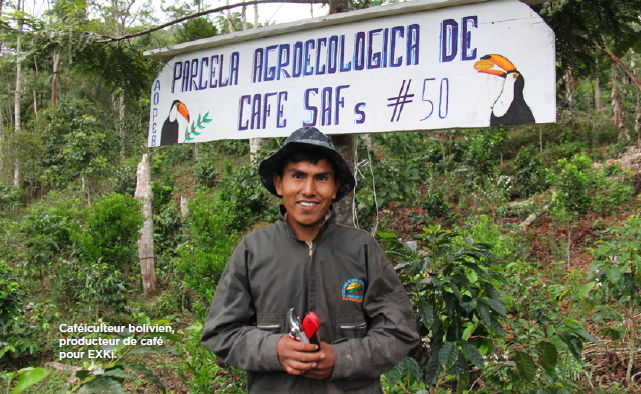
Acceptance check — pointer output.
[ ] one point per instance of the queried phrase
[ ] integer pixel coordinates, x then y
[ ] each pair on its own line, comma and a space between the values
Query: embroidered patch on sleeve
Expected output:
354, 290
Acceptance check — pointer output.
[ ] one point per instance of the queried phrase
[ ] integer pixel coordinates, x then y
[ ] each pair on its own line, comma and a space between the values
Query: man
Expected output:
308, 262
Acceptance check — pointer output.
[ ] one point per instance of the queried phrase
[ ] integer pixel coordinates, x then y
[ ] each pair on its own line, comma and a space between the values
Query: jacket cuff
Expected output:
271, 352
342, 360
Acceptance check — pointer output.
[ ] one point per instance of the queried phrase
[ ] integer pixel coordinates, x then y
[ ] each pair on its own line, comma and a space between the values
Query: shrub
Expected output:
529, 174
48, 236
111, 230
616, 276
456, 301
210, 241
17, 336
241, 185
10, 198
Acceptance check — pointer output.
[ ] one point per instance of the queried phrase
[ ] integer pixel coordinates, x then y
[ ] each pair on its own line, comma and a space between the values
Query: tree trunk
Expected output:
254, 143
597, 94
631, 330
243, 17
345, 143
16, 99
346, 146
1, 42
146, 241
55, 60
254, 147
121, 122
617, 108
569, 86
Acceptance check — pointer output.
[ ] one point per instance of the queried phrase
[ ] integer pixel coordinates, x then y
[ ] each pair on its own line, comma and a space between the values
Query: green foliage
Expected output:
241, 186
47, 235
580, 187
210, 242
616, 278
194, 29
109, 375
17, 337
123, 180
110, 231
456, 301
78, 143
10, 198
582, 27
27, 377
198, 366
529, 174
617, 263
483, 149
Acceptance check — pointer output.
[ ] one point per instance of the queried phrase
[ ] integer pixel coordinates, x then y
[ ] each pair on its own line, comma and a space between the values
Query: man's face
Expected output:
307, 190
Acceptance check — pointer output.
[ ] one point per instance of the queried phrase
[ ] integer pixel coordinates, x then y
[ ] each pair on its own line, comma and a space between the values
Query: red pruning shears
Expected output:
306, 332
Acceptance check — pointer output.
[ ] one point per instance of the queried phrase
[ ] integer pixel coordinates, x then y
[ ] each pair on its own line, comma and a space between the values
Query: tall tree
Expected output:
18, 94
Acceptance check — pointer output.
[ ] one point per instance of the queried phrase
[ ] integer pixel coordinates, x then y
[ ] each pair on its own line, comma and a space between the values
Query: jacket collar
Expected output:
328, 224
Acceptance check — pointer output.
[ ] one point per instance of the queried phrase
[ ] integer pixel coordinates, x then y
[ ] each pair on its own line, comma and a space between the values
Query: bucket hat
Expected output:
307, 138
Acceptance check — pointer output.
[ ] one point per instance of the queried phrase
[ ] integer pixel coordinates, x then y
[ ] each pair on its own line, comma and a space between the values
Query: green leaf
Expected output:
117, 373
548, 356
584, 291
29, 377
407, 367
574, 345
207, 120
141, 369
432, 369
496, 306
472, 354
614, 275
100, 385
447, 355
586, 335
525, 365
427, 315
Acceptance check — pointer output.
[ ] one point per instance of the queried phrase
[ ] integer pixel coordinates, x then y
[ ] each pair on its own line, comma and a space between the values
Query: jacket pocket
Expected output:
350, 326
273, 322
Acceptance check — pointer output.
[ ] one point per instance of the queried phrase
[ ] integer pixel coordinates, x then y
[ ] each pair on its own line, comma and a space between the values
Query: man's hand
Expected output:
296, 357
325, 366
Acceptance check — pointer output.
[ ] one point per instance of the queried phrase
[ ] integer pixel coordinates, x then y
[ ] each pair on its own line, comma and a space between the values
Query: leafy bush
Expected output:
10, 198
17, 336
581, 187
211, 238
616, 276
48, 235
123, 180
456, 301
241, 185
78, 144
483, 149
110, 231
529, 174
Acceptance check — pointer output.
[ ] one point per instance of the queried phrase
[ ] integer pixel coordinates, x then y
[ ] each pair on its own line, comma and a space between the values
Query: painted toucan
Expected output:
510, 106
170, 129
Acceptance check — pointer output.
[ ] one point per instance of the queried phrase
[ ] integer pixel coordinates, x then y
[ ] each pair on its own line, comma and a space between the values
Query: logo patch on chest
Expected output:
353, 290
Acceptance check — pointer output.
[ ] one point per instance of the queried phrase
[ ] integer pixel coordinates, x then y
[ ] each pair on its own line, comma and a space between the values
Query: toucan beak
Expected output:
182, 109
488, 62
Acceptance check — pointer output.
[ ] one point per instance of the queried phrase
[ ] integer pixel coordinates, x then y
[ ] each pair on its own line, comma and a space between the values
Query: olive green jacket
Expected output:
343, 276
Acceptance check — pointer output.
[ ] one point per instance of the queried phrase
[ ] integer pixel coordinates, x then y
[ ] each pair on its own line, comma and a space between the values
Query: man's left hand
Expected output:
325, 366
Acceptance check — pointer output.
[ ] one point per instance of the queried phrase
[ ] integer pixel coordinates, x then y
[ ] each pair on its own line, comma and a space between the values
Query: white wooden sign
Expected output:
476, 65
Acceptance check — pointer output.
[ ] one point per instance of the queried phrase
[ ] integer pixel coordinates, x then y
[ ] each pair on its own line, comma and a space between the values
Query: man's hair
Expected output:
305, 154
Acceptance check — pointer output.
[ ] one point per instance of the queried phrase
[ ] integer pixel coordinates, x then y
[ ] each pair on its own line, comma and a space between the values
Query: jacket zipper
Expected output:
310, 252
353, 326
